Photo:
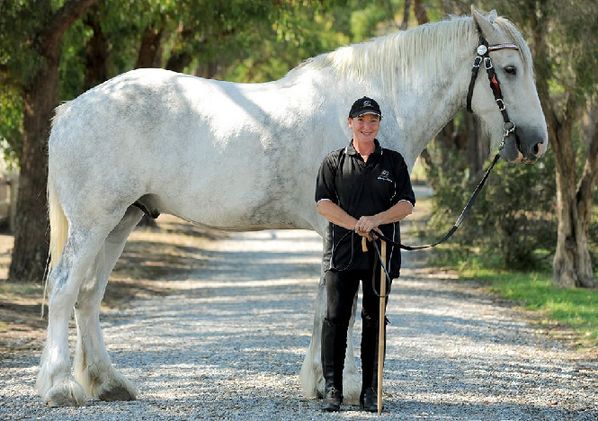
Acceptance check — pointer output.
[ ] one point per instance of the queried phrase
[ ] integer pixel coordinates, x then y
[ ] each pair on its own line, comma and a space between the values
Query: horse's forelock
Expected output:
515, 36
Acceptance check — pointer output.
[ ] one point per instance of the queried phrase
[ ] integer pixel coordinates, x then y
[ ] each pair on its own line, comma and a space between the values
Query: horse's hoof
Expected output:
117, 393
67, 393
106, 383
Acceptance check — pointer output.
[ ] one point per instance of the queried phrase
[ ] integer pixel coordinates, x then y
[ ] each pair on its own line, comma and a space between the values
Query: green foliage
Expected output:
576, 308
512, 224
306, 33
20, 24
365, 21
11, 120
237, 40
569, 28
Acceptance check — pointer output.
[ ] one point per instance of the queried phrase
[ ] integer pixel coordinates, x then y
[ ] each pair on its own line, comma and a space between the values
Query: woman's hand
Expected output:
365, 225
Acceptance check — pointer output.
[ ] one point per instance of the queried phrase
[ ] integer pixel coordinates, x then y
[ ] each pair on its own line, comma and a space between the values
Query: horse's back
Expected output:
206, 150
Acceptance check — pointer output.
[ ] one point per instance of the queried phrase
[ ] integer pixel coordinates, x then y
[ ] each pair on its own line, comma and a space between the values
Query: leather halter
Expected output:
483, 56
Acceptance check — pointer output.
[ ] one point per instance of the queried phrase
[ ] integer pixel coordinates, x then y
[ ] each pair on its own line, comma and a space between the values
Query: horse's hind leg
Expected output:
93, 367
312, 380
55, 382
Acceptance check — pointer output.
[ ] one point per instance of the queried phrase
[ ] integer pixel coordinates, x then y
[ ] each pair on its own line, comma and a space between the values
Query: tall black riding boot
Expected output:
334, 343
368, 400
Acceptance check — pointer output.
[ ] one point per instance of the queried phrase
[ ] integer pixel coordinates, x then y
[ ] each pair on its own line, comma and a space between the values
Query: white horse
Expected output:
244, 157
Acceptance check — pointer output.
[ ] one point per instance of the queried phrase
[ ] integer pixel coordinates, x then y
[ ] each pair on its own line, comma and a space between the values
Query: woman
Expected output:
361, 189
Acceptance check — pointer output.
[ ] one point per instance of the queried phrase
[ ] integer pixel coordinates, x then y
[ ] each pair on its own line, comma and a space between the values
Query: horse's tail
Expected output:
59, 225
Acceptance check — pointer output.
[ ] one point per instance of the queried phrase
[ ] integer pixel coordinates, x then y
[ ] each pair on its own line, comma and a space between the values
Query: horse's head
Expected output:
514, 73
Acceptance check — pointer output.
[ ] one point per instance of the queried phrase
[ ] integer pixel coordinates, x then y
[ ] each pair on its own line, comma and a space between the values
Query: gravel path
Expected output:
228, 344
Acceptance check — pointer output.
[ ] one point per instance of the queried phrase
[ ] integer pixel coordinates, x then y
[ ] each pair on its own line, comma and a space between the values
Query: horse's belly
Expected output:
229, 211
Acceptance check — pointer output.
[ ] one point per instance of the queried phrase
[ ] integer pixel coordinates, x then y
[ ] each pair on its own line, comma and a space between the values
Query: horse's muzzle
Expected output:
524, 145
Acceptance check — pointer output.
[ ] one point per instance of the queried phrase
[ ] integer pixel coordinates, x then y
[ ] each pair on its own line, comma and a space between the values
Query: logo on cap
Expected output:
365, 105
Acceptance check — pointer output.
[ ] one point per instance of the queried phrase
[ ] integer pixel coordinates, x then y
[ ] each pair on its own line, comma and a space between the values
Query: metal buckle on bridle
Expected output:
501, 104
477, 61
508, 128
488, 63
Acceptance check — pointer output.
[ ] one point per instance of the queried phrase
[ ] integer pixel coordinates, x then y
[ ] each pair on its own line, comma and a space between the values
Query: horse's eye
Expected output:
512, 70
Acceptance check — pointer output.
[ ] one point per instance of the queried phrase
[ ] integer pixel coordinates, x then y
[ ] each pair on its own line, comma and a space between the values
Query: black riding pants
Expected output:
341, 288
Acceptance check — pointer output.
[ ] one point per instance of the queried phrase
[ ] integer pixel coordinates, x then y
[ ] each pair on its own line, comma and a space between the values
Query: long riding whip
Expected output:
381, 315
381, 324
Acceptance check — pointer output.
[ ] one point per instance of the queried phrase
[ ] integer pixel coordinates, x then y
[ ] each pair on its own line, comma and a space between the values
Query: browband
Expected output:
502, 46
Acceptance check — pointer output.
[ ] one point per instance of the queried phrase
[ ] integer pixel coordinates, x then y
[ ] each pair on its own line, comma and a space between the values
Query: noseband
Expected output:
483, 56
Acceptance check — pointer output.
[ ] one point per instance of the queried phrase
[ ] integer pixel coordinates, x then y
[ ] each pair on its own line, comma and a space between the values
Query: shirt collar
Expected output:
350, 149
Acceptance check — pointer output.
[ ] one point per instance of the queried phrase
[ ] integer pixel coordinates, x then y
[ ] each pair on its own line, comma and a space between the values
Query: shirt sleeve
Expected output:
404, 190
325, 188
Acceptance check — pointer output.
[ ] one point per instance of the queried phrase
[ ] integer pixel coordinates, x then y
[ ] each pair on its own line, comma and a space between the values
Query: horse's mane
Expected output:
403, 51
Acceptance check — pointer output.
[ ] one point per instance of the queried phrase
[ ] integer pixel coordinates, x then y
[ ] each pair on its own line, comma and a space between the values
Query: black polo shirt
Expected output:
362, 189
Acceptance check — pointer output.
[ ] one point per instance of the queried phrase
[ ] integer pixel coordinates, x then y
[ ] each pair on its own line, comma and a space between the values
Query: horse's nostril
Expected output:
537, 148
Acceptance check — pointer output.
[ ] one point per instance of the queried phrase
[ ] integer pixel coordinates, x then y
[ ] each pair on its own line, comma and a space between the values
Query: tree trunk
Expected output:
150, 50
31, 228
571, 259
207, 69
572, 263
178, 61
589, 176
419, 9
406, 9
96, 51
40, 98
180, 57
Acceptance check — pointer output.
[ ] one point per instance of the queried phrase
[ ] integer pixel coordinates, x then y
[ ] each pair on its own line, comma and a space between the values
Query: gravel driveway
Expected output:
229, 342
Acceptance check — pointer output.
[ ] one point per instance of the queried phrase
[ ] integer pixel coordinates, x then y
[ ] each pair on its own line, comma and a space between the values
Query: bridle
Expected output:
483, 56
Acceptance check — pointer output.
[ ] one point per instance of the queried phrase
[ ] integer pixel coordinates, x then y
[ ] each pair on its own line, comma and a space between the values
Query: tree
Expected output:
561, 35
32, 32
565, 59
572, 266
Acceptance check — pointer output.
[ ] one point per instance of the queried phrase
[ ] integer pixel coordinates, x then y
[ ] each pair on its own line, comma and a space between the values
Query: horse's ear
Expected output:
485, 22
492, 16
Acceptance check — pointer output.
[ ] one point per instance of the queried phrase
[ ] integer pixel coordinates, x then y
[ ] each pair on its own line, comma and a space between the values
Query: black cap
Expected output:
363, 106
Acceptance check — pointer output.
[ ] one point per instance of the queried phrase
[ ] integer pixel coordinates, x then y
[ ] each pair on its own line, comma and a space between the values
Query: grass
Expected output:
574, 308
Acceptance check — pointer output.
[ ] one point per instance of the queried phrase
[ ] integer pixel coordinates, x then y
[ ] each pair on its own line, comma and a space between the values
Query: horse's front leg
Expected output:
312, 379
92, 365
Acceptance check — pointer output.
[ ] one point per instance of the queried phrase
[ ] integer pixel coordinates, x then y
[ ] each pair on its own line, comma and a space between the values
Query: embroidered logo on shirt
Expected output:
385, 176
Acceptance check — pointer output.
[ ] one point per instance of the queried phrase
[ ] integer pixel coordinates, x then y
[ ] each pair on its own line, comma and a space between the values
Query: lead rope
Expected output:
459, 220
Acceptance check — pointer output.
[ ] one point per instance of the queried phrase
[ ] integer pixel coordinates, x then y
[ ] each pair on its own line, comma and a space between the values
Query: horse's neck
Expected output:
423, 113
418, 103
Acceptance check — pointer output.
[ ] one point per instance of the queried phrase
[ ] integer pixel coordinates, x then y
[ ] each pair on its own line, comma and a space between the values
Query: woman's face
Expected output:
365, 127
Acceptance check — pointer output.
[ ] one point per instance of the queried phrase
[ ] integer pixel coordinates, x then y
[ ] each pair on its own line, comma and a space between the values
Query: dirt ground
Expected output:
228, 338
151, 256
